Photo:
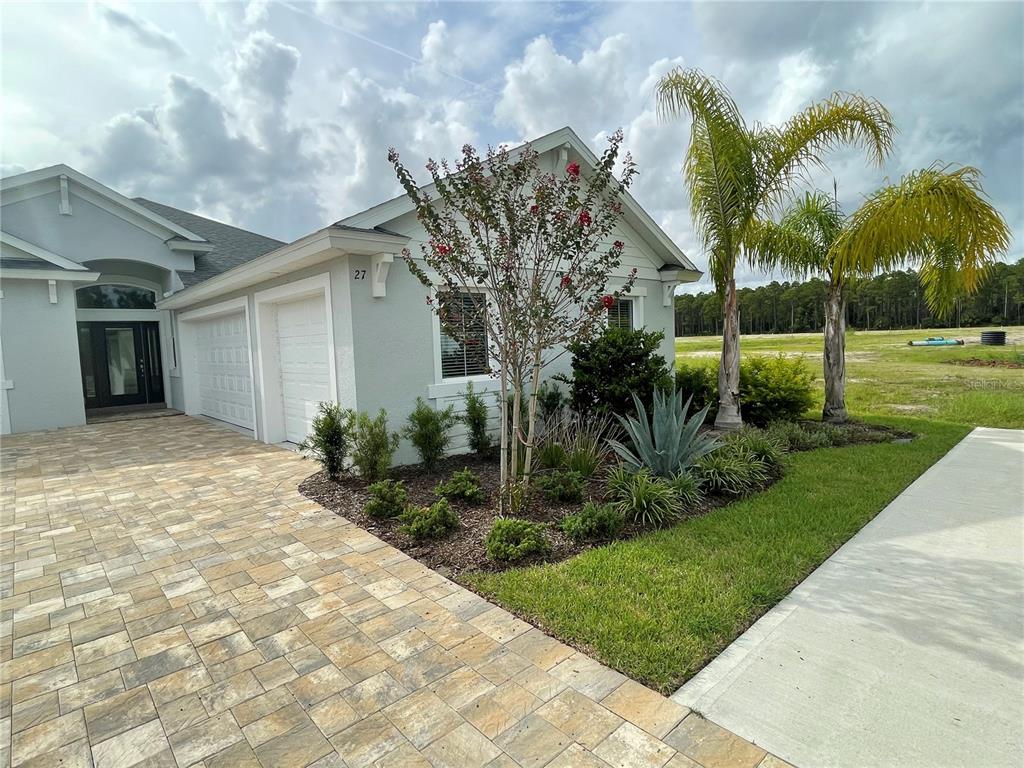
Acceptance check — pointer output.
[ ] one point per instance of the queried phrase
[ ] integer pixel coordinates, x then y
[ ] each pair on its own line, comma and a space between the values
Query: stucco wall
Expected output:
40, 348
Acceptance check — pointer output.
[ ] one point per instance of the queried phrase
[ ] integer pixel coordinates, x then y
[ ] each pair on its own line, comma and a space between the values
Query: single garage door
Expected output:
305, 371
222, 361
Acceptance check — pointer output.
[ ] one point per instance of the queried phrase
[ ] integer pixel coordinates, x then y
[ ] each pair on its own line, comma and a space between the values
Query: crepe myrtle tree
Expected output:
534, 246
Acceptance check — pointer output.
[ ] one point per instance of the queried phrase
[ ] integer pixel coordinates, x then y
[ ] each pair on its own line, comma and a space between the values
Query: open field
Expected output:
887, 377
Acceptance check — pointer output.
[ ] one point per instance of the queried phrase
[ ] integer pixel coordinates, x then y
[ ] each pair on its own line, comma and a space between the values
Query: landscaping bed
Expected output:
994, 362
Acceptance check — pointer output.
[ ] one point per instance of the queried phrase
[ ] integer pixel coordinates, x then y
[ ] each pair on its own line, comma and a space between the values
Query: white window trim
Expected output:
637, 300
186, 341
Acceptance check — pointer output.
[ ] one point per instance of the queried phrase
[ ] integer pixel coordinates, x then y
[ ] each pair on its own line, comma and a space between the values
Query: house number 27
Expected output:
360, 274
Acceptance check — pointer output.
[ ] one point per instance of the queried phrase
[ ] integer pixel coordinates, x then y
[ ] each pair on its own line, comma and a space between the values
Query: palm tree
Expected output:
737, 174
935, 219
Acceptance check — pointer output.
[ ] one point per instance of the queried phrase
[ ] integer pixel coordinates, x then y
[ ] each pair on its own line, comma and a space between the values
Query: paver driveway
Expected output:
170, 599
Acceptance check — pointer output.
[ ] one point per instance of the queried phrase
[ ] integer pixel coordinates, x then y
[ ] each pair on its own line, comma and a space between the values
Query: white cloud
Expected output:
141, 31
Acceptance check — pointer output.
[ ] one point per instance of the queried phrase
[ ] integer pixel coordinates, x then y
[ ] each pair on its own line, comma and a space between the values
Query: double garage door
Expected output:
296, 362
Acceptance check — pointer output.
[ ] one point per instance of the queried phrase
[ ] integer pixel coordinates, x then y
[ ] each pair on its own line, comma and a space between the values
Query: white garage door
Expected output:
305, 371
222, 361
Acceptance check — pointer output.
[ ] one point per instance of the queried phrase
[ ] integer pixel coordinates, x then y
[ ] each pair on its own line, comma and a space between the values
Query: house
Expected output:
109, 302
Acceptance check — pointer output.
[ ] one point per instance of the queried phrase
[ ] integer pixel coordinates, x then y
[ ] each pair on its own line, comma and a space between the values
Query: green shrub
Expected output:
700, 384
560, 485
551, 454
595, 522
688, 488
373, 446
431, 522
428, 431
580, 443
644, 498
387, 499
584, 460
464, 485
475, 418
512, 539
794, 436
608, 369
550, 402
732, 471
775, 389
331, 438
763, 445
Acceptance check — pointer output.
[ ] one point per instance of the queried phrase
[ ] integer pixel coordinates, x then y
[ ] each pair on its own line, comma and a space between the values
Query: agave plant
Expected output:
672, 444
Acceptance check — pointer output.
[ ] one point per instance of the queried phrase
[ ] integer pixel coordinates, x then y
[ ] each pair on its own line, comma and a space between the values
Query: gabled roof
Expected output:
232, 246
635, 214
40, 255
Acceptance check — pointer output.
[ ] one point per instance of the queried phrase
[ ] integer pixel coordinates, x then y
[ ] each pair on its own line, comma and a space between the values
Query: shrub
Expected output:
475, 418
428, 431
594, 522
551, 454
775, 389
560, 485
464, 485
761, 444
512, 539
431, 522
793, 436
666, 444
584, 460
608, 369
580, 440
700, 384
550, 402
330, 441
387, 499
644, 498
689, 489
373, 446
732, 471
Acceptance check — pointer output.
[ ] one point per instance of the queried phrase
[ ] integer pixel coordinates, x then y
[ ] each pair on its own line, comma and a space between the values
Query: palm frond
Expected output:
770, 245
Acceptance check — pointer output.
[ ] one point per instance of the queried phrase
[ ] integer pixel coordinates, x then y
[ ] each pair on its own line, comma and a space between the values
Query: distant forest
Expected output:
890, 301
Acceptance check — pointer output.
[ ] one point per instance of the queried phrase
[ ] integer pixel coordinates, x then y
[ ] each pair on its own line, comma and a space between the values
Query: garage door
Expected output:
222, 361
305, 371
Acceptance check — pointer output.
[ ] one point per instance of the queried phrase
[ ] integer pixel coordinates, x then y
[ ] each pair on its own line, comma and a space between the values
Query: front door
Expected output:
120, 363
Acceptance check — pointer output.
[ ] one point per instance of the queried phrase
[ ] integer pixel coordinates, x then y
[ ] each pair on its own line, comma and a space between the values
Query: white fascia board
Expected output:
56, 171
49, 274
315, 248
40, 253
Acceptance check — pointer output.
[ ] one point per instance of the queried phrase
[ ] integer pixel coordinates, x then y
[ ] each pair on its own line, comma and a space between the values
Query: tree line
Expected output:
890, 301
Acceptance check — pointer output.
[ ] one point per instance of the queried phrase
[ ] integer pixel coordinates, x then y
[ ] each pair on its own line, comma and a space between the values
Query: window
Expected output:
620, 314
115, 297
466, 354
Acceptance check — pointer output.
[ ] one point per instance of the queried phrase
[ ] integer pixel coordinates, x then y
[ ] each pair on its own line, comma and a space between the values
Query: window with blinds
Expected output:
466, 354
620, 314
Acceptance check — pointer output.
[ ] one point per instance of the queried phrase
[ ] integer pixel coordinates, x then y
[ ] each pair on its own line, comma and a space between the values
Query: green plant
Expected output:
593, 522
560, 485
513, 539
580, 442
387, 499
699, 384
551, 454
643, 497
475, 418
732, 471
464, 485
607, 370
760, 443
550, 402
672, 444
330, 441
688, 488
428, 431
431, 522
795, 436
373, 445
775, 388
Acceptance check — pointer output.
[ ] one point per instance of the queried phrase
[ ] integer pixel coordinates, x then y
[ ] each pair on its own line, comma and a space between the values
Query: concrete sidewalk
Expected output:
906, 647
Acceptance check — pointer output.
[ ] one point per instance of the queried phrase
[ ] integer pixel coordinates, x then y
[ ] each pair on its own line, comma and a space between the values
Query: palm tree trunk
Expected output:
729, 366
834, 361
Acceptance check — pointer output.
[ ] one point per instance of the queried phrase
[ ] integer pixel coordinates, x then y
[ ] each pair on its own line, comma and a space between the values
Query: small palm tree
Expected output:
935, 219
737, 174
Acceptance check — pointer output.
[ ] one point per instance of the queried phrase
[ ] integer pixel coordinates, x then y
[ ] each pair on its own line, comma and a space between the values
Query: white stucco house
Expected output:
109, 302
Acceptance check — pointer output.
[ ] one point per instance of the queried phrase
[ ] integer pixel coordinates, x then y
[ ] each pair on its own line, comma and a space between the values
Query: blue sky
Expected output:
278, 116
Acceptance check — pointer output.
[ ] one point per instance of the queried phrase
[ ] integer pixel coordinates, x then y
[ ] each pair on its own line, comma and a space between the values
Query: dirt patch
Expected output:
977, 362
904, 408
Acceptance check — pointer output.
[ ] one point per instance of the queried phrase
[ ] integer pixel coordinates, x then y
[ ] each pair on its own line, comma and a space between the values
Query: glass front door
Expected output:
120, 363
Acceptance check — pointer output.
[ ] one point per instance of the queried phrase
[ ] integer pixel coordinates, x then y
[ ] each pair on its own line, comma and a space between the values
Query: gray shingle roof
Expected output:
231, 246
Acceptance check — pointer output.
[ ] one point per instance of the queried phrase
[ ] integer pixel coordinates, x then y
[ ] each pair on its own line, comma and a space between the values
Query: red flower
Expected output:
534, 209
619, 244
573, 169
608, 301
430, 301
585, 219
566, 281
442, 249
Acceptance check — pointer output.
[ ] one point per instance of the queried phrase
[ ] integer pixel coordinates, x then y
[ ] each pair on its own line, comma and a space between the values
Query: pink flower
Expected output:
573, 169
566, 281
442, 249
608, 301
619, 244
584, 219
534, 209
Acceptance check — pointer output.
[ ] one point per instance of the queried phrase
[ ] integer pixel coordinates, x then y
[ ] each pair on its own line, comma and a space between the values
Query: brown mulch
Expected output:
464, 549
977, 362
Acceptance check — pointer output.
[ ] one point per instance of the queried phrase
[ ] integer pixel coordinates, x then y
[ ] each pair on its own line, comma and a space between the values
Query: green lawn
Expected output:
660, 606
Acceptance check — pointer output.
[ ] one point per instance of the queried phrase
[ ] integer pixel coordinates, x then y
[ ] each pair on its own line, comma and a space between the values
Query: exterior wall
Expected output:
40, 349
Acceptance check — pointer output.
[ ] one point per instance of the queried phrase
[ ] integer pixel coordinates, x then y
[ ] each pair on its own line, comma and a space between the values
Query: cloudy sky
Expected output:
277, 116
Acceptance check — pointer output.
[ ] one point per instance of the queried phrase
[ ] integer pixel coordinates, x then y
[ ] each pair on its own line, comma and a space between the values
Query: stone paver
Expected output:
170, 599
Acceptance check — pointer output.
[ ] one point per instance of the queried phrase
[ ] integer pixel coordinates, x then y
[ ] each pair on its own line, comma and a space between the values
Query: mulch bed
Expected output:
977, 362
464, 549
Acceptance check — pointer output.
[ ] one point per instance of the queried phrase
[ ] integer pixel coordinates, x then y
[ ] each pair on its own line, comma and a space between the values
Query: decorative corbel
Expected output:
668, 293
65, 197
53, 290
380, 264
